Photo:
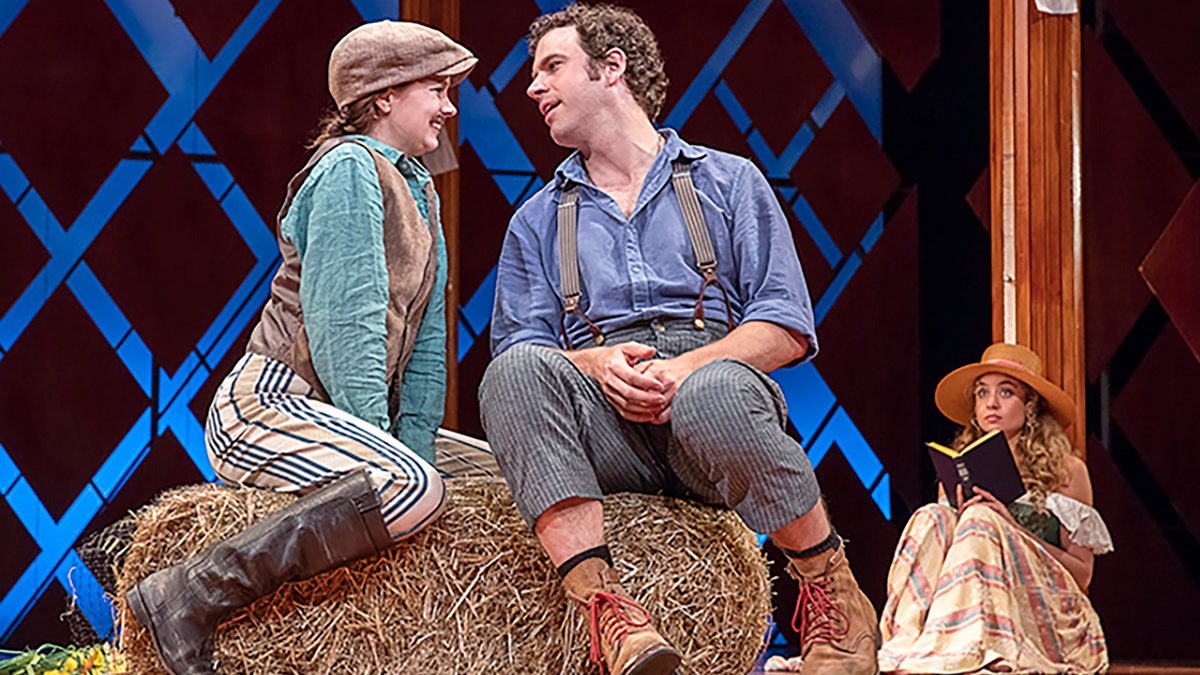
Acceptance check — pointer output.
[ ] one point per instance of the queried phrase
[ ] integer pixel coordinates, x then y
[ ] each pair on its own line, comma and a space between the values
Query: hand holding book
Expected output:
987, 463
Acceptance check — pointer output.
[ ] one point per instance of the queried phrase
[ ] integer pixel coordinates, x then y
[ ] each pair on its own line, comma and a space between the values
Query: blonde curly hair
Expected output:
1041, 449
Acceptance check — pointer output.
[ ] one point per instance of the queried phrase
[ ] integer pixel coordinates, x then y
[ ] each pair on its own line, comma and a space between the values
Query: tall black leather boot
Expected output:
181, 606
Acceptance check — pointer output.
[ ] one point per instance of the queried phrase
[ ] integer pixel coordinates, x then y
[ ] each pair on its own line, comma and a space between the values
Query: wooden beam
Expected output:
1037, 247
444, 15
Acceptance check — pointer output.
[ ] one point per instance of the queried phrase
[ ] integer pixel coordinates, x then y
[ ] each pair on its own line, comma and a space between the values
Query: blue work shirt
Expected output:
641, 268
336, 224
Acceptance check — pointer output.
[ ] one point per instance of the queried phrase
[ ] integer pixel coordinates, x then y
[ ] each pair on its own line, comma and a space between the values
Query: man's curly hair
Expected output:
603, 27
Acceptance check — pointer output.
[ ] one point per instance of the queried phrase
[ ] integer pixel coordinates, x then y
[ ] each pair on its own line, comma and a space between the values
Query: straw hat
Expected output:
954, 393
378, 55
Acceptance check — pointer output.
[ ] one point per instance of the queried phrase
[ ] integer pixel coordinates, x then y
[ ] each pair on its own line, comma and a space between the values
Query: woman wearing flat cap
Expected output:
342, 386
986, 587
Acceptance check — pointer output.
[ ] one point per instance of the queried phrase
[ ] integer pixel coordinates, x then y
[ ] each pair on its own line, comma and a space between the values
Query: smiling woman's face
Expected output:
999, 403
413, 115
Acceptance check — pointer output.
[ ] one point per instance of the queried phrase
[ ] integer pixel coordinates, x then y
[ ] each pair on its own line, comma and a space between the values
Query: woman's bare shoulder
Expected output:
1079, 481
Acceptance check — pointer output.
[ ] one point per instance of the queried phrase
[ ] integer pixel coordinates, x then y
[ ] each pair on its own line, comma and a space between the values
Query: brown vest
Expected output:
411, 254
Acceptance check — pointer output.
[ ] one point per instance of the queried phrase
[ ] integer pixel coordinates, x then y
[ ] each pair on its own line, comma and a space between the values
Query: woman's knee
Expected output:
981, 516
411, 496
936, 513
932, 519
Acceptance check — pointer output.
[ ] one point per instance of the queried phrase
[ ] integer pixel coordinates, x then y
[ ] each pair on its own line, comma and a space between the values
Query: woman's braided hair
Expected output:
356, 117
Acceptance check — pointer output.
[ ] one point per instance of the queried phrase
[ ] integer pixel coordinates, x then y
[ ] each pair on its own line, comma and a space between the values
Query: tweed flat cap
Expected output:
382, 54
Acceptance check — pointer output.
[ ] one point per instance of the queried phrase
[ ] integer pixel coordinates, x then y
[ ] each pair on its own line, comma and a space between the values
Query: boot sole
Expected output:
660, 661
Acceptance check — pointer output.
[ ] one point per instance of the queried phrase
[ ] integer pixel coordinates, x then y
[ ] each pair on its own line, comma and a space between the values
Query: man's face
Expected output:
566, 90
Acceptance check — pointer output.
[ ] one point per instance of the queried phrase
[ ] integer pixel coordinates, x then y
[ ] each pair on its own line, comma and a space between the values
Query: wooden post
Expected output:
444, 16
1037, 246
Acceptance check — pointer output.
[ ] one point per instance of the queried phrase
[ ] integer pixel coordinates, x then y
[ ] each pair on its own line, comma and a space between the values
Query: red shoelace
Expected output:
820, 619
613, 624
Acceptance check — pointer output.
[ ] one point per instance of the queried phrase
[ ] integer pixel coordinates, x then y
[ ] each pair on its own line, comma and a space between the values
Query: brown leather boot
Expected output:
837, 625
623, 641
182, 606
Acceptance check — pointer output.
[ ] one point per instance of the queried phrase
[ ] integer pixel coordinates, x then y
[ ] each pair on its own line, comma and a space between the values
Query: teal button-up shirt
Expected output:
336, 224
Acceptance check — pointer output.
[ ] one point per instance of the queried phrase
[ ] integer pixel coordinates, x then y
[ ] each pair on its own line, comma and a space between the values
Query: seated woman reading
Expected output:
996, 588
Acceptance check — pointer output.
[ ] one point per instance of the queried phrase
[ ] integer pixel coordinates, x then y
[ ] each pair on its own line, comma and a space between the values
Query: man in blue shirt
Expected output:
645, 252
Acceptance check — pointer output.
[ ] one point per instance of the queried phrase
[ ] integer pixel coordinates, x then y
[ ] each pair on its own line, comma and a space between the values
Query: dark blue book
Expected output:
987, 463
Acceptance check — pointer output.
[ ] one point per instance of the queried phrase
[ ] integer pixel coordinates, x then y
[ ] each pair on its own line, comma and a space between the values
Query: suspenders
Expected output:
706, 260
568, 252
568, 265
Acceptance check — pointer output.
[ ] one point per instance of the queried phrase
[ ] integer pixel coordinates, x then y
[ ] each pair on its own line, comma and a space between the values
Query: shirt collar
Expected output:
408, 166
571, 170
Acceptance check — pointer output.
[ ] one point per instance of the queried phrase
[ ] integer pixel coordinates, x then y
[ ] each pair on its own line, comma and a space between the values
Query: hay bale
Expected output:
473, 593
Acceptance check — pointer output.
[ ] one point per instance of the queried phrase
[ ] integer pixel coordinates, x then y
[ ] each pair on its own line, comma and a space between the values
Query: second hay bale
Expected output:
472, 593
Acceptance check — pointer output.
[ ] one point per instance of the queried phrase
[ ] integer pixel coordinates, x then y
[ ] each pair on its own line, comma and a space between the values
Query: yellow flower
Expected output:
70, 664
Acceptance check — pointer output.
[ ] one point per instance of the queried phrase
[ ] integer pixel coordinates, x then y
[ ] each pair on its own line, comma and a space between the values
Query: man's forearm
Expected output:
761, 344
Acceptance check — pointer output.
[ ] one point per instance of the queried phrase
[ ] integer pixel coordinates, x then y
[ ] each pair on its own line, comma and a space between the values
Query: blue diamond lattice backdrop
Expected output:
187, 64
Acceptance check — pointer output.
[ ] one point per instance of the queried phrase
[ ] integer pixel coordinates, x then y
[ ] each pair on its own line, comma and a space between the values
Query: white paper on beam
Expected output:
1058, 6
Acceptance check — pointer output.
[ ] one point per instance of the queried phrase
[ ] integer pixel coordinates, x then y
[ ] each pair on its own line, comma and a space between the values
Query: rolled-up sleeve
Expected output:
527, 306
343, 283
770, 278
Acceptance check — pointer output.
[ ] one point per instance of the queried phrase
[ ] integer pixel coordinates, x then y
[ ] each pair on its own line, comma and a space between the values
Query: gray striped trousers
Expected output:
266, 430
556, 437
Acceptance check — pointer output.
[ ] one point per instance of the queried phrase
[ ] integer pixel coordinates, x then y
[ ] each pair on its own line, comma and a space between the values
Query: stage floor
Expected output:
1116, 669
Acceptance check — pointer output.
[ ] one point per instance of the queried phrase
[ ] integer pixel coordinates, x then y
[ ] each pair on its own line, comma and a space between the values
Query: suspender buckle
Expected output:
571, 306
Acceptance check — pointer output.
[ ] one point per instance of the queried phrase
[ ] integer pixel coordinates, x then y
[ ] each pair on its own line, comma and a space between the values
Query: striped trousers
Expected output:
556, 436
266, 430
